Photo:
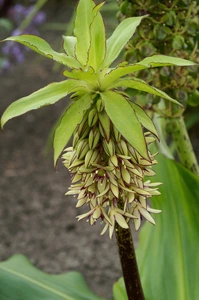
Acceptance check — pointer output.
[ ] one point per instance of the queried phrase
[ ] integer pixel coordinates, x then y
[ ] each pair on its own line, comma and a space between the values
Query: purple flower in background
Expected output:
18, 12
1, 3
15, 53
39, 18
16, 32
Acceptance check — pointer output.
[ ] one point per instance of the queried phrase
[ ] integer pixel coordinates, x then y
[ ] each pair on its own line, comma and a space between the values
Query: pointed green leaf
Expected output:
70, 74
98, 42
45, 96
168, 250
149, 62
72, 116
141, 85
84, 17
119, 290
42, 47
20, 280
69, 45
89, 77
125, 120
120, 37
164, 60
144, 119
115, 73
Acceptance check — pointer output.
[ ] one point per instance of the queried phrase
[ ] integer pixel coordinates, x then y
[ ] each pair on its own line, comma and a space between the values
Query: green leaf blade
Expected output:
149, 62
20, 280
45, 96
42, 47
84, 16
117, 107
144, 119
141, 85
72, 116
119, 290
169, 248
164, 60
69, 45
98, 43
118, 72
120, 37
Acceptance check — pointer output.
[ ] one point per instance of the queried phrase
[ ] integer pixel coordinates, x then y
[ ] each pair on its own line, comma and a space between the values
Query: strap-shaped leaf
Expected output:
84, 16
42, 47
125, 120
149, 62
98, 42
72, 116
120, 37
118, 72
119, 290
45, 96
175, 237
141, 85
20, 280
164, 60
69, 44
144, 119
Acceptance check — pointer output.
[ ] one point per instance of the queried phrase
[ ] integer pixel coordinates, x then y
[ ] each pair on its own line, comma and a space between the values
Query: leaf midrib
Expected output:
45, 287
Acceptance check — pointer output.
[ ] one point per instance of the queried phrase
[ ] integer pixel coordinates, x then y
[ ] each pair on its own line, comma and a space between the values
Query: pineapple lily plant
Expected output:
109, 160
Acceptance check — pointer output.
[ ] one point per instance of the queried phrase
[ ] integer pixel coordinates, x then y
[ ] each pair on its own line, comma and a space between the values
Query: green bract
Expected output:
88, 56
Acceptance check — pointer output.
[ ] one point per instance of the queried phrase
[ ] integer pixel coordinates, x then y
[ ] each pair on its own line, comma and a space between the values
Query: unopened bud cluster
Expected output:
170, 28
107, 171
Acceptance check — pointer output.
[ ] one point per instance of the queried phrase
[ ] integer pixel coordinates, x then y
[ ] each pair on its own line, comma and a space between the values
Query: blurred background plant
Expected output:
171, 29
15, 19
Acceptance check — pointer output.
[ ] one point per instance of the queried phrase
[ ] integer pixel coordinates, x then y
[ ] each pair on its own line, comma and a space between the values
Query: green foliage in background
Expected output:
169, 249
20, 280
172, 28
